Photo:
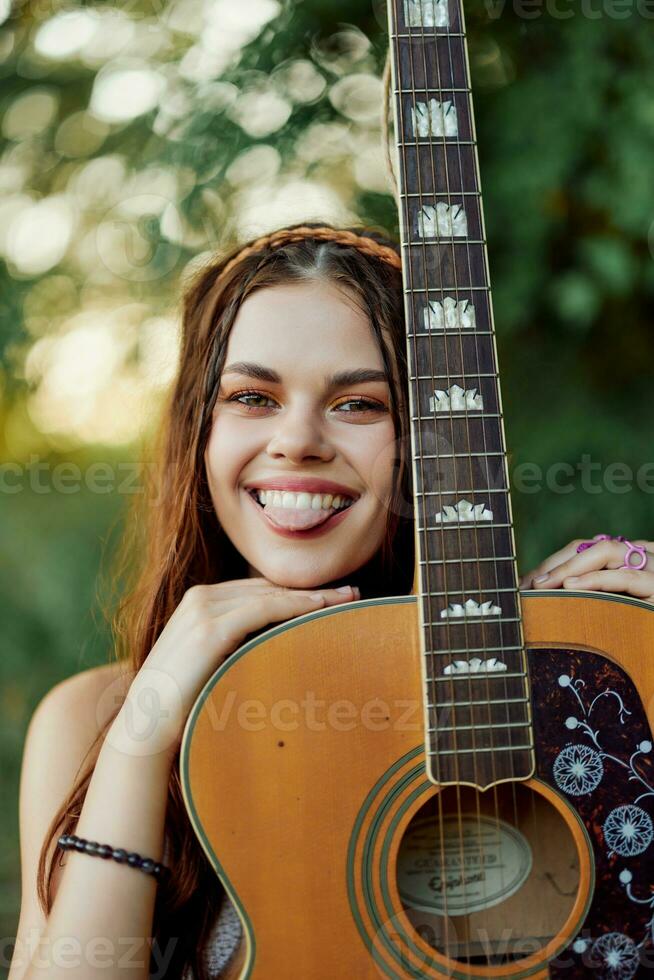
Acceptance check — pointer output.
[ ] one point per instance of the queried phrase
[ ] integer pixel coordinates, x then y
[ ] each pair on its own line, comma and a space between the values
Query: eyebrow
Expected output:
340, 379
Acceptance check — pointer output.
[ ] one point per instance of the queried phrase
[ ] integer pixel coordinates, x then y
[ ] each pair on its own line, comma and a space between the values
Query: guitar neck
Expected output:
476, 683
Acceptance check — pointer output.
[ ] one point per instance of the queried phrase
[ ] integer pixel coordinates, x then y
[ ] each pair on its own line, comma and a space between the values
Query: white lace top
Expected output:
223, 938
222, 941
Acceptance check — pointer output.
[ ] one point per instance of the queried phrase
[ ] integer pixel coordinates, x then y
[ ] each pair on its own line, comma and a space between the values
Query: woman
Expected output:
276, 493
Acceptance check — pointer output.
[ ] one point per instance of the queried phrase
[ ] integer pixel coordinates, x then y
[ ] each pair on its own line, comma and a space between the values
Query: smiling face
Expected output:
301, 453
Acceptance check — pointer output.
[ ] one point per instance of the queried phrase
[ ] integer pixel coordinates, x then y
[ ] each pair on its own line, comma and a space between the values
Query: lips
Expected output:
298, 523
299, 484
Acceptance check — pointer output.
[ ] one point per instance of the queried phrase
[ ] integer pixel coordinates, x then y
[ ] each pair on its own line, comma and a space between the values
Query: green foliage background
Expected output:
564, 101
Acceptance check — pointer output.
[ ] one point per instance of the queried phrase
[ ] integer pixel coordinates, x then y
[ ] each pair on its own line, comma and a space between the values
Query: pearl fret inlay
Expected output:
451, 314
456, 399
462, 512
475, 666
426, 13
470, 608
442, 221
434, 119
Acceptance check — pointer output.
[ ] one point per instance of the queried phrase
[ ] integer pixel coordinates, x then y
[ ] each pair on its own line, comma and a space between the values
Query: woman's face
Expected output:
301, 452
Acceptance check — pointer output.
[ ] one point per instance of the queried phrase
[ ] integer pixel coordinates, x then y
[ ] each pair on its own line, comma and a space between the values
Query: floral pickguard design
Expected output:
594, 744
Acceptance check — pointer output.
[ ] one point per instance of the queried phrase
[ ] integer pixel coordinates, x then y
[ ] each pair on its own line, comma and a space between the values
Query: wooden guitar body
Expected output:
303, 770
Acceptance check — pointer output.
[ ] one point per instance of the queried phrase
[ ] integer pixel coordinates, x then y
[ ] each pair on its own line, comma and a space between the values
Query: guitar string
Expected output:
454, 735
474, 529
424, 572
478, 214
523, 683
441, 247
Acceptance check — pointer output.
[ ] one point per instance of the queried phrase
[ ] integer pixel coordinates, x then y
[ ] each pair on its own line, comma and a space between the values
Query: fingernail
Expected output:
345, 588
541, 578
316, 596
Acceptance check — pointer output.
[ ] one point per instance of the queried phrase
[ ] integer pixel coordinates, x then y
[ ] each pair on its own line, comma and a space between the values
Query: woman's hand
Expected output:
209, 623
597, 569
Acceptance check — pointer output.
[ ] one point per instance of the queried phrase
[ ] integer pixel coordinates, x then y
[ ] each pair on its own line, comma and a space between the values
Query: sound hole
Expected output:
487, 878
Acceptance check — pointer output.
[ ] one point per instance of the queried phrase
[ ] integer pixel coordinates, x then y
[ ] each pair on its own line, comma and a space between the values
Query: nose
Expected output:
299, 435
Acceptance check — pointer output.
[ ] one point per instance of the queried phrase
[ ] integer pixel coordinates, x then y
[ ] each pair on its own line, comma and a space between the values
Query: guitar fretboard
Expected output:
476, 684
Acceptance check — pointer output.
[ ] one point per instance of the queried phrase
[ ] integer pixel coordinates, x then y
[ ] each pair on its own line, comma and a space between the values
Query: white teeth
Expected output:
302, 501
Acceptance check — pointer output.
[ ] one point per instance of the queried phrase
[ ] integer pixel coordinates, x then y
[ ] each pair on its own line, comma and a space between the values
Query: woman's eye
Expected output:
252, 395
364, 405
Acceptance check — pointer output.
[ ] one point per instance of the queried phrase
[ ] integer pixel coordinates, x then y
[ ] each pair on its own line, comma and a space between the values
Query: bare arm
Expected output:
102, 914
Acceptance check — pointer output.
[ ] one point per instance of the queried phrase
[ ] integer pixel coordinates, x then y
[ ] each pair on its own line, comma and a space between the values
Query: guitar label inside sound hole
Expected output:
466, 864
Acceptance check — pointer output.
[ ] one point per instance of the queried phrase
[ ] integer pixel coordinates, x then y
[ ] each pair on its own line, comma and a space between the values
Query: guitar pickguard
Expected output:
594, 746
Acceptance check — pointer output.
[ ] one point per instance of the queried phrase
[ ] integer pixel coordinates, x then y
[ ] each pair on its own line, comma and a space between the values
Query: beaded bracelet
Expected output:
69, 842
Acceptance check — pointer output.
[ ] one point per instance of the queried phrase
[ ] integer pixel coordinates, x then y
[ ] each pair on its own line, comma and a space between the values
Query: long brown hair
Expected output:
172, 539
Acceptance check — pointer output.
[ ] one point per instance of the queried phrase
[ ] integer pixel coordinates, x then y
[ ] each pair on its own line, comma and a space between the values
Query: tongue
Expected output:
297, 518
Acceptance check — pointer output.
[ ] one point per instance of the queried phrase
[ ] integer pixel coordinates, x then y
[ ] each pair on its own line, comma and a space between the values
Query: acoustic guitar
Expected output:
458, 782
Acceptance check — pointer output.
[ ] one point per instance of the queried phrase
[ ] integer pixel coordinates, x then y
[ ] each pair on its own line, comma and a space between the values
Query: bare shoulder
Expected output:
61, 732
85, 701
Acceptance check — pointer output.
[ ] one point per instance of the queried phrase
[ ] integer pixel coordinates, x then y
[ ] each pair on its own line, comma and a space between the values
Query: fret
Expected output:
457, 621
509, 708
451, 592
462, 620
486, 631
453, 527
435, 377
471, 728
458, 492
452, 265
413, 91
442, 239
456, 561
439, 64
446, 194
449, 333
462, 355
488, 748
472, 578
435, 289
470, 435
447, 416
439, 166
419, 33
437, 139
449, 377
449, 652
465, 704
439, 456
448, 470
500, 674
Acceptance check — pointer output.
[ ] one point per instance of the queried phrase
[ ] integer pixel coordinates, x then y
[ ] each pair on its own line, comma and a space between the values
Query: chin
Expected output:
304, 574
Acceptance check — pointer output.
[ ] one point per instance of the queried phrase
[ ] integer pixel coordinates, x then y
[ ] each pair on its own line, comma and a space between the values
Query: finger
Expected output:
557, 558
245, 618
632, 581
569, 553
605, 554
331, 597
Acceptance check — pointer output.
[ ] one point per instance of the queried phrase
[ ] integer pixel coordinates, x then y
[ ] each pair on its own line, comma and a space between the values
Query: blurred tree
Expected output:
138, 136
